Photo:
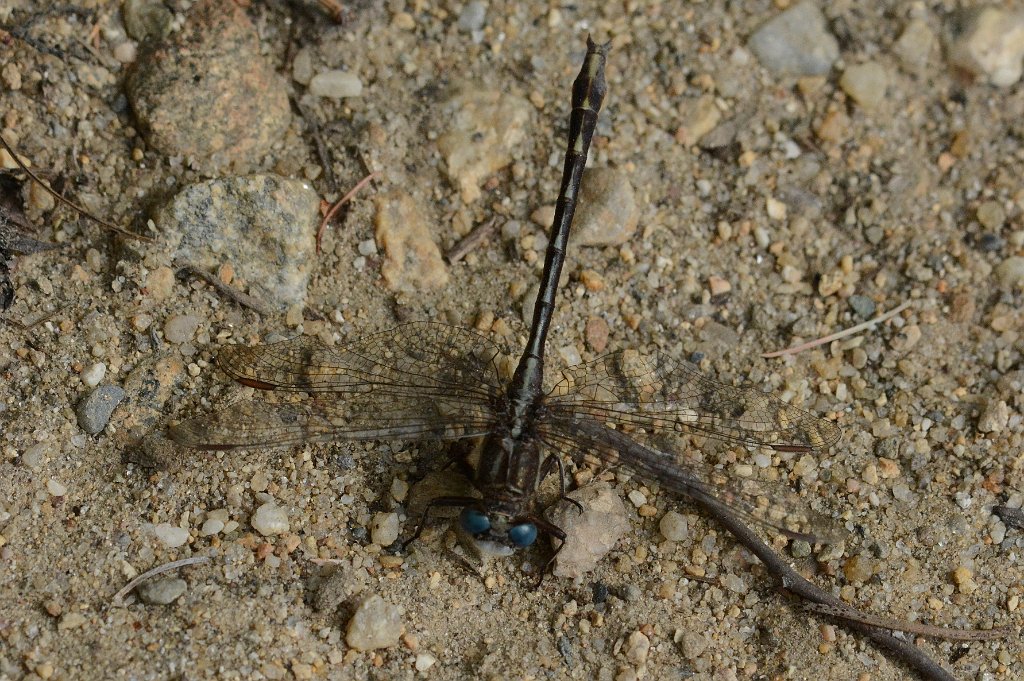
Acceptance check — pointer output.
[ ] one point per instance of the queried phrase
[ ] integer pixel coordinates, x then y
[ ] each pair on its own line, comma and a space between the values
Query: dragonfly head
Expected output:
495, 532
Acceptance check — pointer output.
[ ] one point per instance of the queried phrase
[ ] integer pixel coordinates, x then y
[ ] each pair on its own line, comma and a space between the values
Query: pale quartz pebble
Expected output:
674, 526
270, 519
169, 535
384, 529
375, 624
55, 488
211, 526
336, 84
93, 374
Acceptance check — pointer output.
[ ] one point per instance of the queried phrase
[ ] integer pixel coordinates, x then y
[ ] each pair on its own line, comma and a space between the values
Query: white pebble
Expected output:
368, 247
270, 519
93, 374
425, 661
336, 84
638, 498
384, 529
375, 624
169, 535
55, 488
211, 526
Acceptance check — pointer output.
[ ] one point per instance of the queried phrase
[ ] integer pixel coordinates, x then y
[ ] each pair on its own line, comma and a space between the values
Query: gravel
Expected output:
95, 410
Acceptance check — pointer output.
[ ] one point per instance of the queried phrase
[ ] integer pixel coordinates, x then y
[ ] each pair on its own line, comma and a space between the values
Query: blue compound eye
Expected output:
523, 534
473, 521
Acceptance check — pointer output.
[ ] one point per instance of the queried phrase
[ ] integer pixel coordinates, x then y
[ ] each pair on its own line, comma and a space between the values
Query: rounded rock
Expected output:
93, 374
674, 526
161, 591
336, 85
180, 328
270, 519
384, 529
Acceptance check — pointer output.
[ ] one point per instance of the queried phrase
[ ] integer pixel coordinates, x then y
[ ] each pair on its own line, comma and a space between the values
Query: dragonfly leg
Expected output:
556, 532
555, 461
457, 502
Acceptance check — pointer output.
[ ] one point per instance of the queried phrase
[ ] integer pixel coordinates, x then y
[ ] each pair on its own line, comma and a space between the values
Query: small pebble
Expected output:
424, 661
858, 569
270, 519
607, 213
862, 306
987, 41
336, 84
384, 529
472, 16
866, 83
211, 526
55, 488
596, 334
180, 328
375, 624
674, 526
93, 374
94, 411
34, 456
995, 417
796, 42
638, 645
915, 45
1010, 272
399, 489
161, 591
169, 535
592, 533
637, 497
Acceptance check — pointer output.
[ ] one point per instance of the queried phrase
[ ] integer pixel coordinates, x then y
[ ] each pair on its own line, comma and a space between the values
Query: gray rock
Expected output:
607, 214
866, 84
375, 624
161, 591
264, 225
796, 42
987, 41
862, 306
472, 16
484, 127
206, 93
590, 534
94, 411
412, 261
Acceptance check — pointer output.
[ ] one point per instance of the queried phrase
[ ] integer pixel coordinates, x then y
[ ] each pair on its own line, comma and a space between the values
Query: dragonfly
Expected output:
429, 381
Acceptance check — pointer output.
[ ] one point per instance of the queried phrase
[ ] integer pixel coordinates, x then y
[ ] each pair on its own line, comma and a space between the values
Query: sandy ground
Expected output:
893, 204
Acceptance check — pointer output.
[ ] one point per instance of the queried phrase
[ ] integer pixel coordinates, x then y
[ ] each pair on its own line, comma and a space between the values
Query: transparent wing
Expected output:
760, 501
418, 358
369, 417
416, 381
658, 393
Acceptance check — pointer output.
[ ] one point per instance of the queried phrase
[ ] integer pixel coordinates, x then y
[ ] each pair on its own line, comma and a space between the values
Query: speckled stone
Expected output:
263, 225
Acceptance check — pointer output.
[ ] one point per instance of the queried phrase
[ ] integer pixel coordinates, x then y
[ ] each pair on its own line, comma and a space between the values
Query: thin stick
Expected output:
839, 334
471, 241
794, 582
67, 202
337, 206
166, 567
243, 299
321, 148
851, 614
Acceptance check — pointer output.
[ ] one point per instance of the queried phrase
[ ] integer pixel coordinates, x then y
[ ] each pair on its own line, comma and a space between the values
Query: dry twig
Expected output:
839, 334
337, 206
471, 241
118, 600
243, 299
68, 202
